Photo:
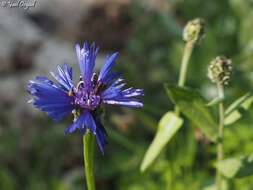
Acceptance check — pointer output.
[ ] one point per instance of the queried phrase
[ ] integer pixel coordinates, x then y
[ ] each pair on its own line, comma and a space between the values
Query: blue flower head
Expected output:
84, 99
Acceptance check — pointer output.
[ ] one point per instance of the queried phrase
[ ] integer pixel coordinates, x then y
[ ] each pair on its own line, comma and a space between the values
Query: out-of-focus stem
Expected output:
220, 136
88, 151
184, 67
185, 61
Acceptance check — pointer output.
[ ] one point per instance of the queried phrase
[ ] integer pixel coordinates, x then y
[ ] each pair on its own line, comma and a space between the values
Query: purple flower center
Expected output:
87, 96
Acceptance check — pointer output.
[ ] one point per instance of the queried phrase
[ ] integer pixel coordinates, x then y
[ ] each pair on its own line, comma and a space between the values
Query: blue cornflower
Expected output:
84, 99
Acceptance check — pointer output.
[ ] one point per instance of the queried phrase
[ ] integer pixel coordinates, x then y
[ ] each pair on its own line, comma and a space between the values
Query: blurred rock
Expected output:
19, 40
52, 53
9, 89
13, 102
59, 17
106, 22
23, 54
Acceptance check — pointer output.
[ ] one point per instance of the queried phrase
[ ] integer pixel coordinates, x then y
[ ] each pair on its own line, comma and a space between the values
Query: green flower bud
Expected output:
220, 70
194, 30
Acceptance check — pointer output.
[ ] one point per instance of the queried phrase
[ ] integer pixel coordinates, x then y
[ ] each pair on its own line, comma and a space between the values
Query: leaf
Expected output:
224, 186
215, 101
193, 106
169, 124
237, 103
236, 168
237, 108
210, 187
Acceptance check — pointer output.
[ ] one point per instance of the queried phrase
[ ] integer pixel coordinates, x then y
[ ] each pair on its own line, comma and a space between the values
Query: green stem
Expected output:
185, 60
221, 136
184, 67
88, 151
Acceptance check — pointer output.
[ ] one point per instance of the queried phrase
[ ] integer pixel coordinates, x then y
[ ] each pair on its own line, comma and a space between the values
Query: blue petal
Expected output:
90, 123
87, 58
44, 79
64, 76
107, 67
50, 98
116, 95
126, 103
110, 78
78, 124
87, 121
101, 136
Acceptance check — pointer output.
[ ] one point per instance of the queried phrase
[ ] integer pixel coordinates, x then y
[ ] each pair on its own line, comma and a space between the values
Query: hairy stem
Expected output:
88, 151
184, 67
220, 135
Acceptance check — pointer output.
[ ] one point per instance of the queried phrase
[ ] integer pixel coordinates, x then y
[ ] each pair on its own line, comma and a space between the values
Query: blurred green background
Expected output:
35, 154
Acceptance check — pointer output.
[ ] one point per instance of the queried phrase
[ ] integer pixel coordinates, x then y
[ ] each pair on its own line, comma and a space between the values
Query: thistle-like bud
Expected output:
194, 30
220, 70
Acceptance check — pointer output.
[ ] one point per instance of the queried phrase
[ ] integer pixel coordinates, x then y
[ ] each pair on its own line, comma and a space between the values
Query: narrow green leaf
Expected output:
193, 106
224, 186
210, 187
215, 101
167, 127
237, 103
237, 108
236, 167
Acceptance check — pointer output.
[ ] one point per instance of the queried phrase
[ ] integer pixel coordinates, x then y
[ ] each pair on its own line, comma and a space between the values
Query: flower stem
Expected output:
88, 151
220, 135
184, 67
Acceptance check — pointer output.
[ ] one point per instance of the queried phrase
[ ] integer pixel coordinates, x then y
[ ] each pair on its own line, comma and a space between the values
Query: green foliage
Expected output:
154, 53
236, 168
193, 106
238, 108
169, 124
7, 180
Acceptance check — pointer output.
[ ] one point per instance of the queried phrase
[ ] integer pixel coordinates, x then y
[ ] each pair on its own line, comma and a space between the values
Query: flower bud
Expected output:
194, 30
220, 69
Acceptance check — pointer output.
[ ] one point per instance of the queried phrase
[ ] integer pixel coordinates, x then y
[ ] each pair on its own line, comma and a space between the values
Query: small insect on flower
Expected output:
86, 98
